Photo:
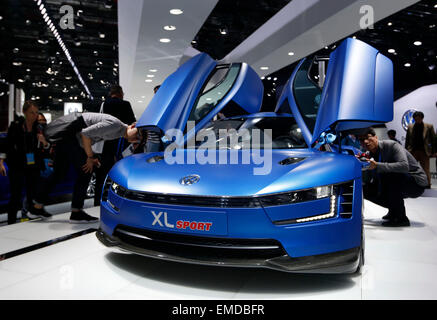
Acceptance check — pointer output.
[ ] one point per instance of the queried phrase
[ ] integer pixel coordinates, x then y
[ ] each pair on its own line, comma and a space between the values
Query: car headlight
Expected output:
297, 196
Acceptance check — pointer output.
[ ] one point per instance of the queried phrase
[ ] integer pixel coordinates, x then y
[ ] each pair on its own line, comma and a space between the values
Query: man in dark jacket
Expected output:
122, 110
420, 142
393, 175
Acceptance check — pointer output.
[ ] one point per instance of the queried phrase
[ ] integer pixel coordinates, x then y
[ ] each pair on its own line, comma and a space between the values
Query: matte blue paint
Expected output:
287, 96
177, 94
358, 90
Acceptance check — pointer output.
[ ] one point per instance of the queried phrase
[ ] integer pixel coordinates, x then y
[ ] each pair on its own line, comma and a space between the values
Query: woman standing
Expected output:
22, 158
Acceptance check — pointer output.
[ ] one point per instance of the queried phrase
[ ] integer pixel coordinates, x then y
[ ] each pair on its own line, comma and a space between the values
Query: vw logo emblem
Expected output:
407, 119
189, 180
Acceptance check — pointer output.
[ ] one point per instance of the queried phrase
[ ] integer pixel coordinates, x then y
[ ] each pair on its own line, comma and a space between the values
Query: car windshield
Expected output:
255, 133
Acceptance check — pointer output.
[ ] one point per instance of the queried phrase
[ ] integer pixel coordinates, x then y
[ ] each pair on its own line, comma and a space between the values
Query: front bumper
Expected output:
229, 253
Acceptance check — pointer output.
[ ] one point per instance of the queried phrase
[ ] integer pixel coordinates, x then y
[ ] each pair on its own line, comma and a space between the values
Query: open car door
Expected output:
199, 90
356, 93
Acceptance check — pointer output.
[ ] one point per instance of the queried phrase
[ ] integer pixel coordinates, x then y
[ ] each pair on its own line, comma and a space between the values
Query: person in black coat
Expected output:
122, 110
23, 158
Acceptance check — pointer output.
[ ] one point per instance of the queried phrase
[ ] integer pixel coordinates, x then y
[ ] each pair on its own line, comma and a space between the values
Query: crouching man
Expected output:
393, 175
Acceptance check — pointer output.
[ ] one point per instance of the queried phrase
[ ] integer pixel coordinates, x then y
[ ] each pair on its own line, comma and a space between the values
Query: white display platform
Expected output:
400, 264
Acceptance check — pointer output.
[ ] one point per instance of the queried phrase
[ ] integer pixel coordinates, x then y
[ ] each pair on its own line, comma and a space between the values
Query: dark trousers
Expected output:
18, 178
423, 159
390, 189
67, 153
107, 160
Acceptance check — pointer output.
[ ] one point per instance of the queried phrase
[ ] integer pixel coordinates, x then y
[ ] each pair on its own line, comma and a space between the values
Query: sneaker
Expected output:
34, 213
404, 222
388, 216
82, 217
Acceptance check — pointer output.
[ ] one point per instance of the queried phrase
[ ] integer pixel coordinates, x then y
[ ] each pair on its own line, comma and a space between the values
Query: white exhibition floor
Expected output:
401, 263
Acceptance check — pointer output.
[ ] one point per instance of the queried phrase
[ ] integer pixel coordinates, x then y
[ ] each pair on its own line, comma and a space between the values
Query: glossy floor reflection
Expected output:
400, 264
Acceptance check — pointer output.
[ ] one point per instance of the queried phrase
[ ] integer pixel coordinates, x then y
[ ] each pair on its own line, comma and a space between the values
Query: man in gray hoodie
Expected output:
393, 175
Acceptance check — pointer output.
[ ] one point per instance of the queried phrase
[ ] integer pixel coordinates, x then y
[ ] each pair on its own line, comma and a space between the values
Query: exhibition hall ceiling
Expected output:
31, 57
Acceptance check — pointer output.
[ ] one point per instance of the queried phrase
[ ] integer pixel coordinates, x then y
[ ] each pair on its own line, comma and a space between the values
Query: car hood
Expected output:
138, 173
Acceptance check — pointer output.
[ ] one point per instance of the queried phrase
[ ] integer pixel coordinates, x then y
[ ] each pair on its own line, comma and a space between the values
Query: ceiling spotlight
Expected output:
431, 67
102, 35
176, 11
21, 80
407, 65
223, 31
15, 50
17, 63
390, 24
291, 53
164, 40
96, 53
150, 76
43, 40
169, 28
417, 43
108, 4
153, 70
148, 80
264, 68
28, 22
391, 50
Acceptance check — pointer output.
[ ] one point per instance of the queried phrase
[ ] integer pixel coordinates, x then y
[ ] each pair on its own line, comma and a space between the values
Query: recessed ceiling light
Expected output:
176, 11
407, 65
269, 78
164, 40
169, 28
264, 68
391, 50
390, 24
20, 80
17, 63
223, 31
149, 80
150, 76
291, 53
153, 70
417, 43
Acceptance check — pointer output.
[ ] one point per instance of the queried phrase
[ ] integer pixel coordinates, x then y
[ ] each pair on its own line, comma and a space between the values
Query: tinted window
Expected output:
210, 98
284, 134
307, 94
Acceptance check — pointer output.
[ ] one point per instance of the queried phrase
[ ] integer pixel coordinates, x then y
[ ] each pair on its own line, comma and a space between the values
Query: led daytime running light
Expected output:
331, 214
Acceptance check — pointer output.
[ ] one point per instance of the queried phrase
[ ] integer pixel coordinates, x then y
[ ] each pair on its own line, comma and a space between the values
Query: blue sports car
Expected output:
233, 186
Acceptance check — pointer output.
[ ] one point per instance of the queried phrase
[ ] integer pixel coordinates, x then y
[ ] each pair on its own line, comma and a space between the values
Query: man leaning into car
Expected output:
74, 135
393, 174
